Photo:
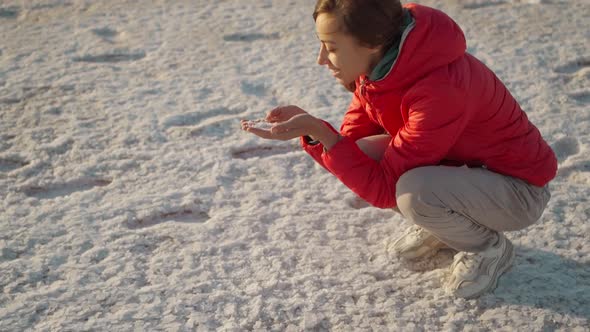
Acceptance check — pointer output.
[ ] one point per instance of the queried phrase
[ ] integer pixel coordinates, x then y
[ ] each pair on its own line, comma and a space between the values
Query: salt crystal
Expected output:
260, 124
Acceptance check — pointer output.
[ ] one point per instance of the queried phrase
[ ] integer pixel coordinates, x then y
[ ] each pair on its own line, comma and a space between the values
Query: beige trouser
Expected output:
466, 207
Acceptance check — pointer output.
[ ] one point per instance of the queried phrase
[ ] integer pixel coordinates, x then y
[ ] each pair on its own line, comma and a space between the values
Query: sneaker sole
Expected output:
503, 266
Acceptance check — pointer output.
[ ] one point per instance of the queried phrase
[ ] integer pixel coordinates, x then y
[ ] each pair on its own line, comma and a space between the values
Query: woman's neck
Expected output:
375, 60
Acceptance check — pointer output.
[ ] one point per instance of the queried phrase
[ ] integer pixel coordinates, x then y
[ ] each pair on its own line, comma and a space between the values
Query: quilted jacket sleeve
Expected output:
356, 124
435, 120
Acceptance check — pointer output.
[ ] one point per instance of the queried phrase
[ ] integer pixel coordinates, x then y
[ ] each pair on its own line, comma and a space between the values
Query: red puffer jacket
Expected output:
441, 106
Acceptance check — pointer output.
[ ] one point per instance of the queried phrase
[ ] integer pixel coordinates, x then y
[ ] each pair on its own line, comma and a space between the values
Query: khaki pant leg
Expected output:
466, 207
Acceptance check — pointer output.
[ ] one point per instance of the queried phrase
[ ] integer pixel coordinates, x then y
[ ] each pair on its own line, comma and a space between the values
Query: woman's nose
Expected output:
322, 56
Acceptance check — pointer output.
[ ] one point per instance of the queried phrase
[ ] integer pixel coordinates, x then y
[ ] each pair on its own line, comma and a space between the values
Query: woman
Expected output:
430, 131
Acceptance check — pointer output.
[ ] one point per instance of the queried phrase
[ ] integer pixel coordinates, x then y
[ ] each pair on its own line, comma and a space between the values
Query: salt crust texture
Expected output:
130, 199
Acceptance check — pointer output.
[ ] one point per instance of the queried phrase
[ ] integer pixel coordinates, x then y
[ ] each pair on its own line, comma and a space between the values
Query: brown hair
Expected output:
374, 23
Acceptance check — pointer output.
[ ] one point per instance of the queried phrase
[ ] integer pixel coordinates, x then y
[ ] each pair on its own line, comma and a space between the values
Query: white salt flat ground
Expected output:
129, 199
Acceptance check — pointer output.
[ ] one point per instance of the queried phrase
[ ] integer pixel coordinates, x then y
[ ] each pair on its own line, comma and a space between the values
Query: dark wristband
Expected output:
310, 141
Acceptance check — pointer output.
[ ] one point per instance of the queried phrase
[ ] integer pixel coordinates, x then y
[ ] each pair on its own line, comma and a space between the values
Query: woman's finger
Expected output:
244, 124
264, 133
274, 115
283, 134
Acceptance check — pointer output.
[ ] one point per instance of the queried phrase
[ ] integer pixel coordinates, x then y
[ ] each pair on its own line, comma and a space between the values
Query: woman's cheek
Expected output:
334, 60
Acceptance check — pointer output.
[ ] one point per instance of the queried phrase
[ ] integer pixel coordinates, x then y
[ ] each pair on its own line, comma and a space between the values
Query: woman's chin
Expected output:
350, 86
341, 81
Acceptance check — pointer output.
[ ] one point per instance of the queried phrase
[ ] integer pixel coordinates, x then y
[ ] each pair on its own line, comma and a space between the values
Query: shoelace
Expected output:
419, 232
469, 260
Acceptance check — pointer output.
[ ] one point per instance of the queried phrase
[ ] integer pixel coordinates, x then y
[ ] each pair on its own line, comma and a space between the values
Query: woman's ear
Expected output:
375, 50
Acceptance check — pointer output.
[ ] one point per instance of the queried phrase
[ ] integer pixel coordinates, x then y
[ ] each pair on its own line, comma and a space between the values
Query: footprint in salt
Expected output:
65, 188
10, 164
566, 147
251, 37
581, 97
573, 66
9, 12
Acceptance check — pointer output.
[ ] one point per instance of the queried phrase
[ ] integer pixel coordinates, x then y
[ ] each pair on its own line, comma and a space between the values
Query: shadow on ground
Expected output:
542, 279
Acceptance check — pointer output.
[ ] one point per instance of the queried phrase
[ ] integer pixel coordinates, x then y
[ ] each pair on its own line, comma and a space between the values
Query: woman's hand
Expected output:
283, 113
291, 122
277, 116
296, 123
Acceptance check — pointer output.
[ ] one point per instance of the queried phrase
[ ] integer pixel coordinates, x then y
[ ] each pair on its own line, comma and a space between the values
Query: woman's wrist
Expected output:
309, 140
324, 134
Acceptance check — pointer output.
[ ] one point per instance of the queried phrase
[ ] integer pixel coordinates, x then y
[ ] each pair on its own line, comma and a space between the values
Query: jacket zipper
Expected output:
403, 39
363, 83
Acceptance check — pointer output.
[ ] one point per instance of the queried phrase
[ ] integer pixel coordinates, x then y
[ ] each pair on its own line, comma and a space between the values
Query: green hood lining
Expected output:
384, 65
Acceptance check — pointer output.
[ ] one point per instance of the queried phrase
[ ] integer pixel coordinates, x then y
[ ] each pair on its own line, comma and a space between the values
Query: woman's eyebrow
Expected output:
325, 41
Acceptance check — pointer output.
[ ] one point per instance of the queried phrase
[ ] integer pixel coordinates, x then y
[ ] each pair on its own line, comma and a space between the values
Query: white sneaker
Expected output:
415, 243
473, 274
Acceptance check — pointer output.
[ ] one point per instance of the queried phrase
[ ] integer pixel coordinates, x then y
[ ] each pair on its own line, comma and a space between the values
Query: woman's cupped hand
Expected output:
287, 122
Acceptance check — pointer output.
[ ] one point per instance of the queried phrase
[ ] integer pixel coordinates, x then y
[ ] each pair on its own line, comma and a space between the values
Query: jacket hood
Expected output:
433, 41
